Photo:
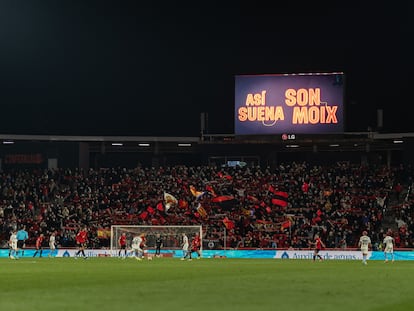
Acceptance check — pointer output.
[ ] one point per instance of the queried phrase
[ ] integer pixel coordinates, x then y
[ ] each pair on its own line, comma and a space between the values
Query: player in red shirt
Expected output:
318, 244
122, 242
196, 245
39, 242
81, 240
144, 241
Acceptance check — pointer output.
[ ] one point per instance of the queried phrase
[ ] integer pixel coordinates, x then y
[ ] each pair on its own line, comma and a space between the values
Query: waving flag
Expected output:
182, 204
222, 198
201, 210
225, 202
211, 190
279, 202
252, 198
169, 200
381, 201
143, 215
160, 207
285, 225
196, 193
279, 198
103, 233
305, 187
229, 224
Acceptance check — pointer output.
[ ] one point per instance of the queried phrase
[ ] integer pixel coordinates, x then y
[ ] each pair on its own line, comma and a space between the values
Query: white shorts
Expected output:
52, 246
389, 249
364, 250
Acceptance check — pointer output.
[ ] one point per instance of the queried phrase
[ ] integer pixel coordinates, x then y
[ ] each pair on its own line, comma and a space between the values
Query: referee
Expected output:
21, 236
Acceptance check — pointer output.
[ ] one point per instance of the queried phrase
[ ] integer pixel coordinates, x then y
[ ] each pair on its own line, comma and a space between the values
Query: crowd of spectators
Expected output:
238, 207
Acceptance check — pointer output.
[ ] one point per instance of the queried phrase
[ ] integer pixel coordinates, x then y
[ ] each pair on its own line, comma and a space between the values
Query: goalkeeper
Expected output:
158, 245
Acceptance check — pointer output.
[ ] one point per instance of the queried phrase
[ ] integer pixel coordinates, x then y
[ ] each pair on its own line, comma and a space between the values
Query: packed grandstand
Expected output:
238, 207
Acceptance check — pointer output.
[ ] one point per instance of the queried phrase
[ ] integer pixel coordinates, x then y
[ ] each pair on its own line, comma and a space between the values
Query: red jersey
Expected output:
122, 240
144, 239
81, 237
39, 241
319, 244
196, 242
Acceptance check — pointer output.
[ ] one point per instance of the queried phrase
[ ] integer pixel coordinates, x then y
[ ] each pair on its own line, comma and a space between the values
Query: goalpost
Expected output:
171, 236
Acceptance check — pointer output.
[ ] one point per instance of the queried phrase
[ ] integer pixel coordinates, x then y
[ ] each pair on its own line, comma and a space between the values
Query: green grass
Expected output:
207, 284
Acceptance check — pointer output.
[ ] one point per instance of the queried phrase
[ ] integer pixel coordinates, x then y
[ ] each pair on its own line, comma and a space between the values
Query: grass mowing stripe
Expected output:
207, 284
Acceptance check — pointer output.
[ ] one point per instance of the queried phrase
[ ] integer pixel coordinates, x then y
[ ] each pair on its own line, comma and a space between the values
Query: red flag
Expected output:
277, 192
229, 224
160, 207
182, 203
143, 215
279, 202
222, 198
286, 224
271, 189
221, 175
305, 187
282, 194
211, 190
279, 198
252, 198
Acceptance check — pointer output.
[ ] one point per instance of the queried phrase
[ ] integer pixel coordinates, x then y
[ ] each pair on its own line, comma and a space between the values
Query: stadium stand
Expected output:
259, 207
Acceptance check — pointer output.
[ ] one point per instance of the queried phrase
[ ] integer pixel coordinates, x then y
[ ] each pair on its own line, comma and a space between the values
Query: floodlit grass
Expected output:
206, 284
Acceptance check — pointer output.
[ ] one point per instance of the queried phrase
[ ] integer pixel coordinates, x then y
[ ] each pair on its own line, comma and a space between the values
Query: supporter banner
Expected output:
206, 253
4, 253
342, 255
290, 103
23, 158
308, 254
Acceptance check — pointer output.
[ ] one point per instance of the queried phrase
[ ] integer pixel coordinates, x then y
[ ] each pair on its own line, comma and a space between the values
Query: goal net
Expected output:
171, 236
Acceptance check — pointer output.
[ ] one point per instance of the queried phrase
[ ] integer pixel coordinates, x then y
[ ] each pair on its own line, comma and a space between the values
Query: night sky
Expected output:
126, 68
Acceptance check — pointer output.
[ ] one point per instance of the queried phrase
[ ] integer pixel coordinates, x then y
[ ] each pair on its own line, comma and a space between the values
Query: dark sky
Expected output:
125, 68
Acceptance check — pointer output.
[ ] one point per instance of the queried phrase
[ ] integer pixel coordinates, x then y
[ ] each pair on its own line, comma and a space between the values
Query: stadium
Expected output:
142, 166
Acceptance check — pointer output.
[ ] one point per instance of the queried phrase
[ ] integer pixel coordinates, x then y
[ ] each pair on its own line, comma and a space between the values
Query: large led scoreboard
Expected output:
309, 103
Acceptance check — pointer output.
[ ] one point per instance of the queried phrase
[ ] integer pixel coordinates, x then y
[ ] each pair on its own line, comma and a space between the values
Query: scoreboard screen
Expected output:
311, 103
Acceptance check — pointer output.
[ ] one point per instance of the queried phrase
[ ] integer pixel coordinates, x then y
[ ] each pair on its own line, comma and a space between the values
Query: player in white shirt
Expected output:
52, 243
137, 246
389, 246
13, 245
365, 244
185, 246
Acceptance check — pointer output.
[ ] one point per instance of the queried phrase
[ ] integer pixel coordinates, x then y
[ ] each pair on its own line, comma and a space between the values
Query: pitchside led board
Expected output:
311, 103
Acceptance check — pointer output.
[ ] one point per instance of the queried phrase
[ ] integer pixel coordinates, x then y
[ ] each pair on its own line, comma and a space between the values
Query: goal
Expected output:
171, 236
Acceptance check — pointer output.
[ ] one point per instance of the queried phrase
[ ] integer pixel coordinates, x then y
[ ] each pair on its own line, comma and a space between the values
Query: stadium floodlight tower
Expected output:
171, 235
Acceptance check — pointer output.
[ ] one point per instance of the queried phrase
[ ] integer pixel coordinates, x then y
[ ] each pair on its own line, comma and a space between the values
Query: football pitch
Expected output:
206, 284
